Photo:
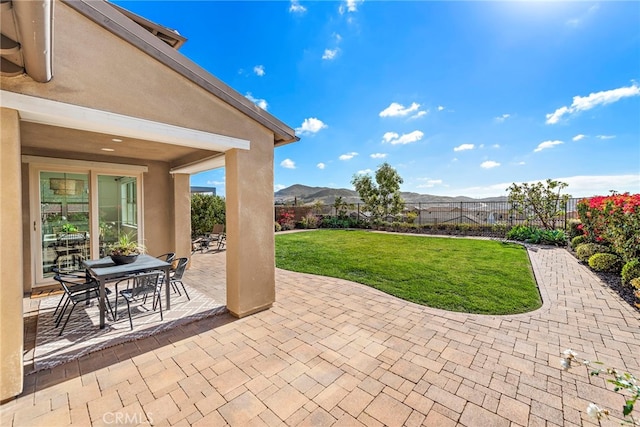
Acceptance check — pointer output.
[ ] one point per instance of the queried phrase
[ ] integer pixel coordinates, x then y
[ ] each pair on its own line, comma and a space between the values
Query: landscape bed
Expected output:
463, 275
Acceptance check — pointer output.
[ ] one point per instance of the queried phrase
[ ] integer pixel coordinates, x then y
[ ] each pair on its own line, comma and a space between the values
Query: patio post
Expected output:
11, 261
250, 235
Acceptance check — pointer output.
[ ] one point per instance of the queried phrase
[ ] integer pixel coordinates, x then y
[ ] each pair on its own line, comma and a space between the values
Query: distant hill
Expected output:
305, 195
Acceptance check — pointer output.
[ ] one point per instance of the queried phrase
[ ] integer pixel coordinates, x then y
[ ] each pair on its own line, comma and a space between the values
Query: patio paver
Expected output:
332, 352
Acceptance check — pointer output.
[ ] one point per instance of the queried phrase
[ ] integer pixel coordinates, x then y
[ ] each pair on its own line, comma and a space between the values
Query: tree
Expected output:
206, 210
381, 198
540, 201
342, 207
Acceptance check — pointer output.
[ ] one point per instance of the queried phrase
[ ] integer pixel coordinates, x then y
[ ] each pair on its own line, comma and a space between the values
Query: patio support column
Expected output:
182, 215
249, 220
11, 316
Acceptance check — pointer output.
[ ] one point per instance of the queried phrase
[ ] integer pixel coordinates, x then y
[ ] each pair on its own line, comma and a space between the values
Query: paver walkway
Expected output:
331, 352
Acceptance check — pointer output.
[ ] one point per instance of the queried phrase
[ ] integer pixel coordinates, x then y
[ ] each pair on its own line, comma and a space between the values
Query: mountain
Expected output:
305, 195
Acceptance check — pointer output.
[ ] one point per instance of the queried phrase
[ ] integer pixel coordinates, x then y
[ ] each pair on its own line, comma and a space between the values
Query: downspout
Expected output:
34, 22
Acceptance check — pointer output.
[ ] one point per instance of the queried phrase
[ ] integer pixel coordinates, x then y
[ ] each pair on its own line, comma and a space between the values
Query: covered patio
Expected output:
103, 122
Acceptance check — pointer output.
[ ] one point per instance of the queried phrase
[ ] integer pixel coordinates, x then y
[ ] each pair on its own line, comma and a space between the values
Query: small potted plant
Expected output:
125, 250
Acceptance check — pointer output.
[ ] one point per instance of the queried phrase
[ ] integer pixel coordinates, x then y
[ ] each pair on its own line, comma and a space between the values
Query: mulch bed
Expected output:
614, 282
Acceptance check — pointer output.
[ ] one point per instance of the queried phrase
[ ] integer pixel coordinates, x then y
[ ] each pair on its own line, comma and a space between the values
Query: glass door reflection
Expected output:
64, 216
117, 209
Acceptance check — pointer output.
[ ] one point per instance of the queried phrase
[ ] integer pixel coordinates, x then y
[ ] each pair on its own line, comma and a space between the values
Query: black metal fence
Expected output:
476, 213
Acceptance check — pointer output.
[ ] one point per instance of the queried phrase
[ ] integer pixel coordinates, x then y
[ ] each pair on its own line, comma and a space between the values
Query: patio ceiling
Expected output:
37, 137
58, 127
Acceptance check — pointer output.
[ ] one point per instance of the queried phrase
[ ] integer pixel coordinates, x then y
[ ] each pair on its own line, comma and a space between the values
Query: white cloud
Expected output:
378, 155
278, 187
419, 114
440, 107
296, 7
215, 183
576, 22
502, 118
310, 126
605, 136
321, 165
464, 147
584, 103
495, 146
521, 163
399, 110
579, 186
348, 156
389, 136
364, 172
259, 70
330, 54
259, 102
349, 6
586, 186
489, 164
579, 137
288, 164
407, 138
547, 144
430, 183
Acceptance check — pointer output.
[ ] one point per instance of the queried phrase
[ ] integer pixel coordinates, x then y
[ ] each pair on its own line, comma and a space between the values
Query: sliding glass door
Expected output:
79, 214
117, 209
65, 222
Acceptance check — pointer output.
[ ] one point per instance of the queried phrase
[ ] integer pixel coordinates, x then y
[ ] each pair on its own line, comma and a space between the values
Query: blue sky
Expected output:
462, 98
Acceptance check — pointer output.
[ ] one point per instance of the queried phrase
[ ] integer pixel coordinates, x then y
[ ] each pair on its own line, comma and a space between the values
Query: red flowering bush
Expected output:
287, 221
613, 220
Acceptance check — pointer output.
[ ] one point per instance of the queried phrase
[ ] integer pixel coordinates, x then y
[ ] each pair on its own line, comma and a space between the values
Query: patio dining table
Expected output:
104, 270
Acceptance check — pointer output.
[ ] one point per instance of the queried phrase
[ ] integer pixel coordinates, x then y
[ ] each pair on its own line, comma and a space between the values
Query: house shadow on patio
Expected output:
44, 349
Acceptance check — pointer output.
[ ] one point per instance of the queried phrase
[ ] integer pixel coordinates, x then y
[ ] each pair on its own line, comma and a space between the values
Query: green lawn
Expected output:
466, 275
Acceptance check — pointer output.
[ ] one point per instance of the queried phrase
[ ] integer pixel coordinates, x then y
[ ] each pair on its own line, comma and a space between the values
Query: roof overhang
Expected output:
112, 19
200, 166
54, 113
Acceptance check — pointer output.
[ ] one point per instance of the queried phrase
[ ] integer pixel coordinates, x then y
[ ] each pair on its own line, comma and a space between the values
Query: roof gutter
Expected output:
34, 22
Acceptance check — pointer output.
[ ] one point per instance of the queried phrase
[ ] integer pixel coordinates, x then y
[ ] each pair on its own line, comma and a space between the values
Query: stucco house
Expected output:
102, 123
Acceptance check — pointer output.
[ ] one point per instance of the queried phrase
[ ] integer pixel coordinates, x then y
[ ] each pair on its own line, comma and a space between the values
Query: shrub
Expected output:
536, 235
309, 221
630, 271
576, 241
605, 262
587, 250
286, 221
613, 219
338, 222
276, 226
206, 211
574, 228
635, 284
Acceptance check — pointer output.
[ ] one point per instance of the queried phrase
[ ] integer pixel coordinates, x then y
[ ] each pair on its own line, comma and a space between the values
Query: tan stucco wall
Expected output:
182, 215
11, 328
250, 237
